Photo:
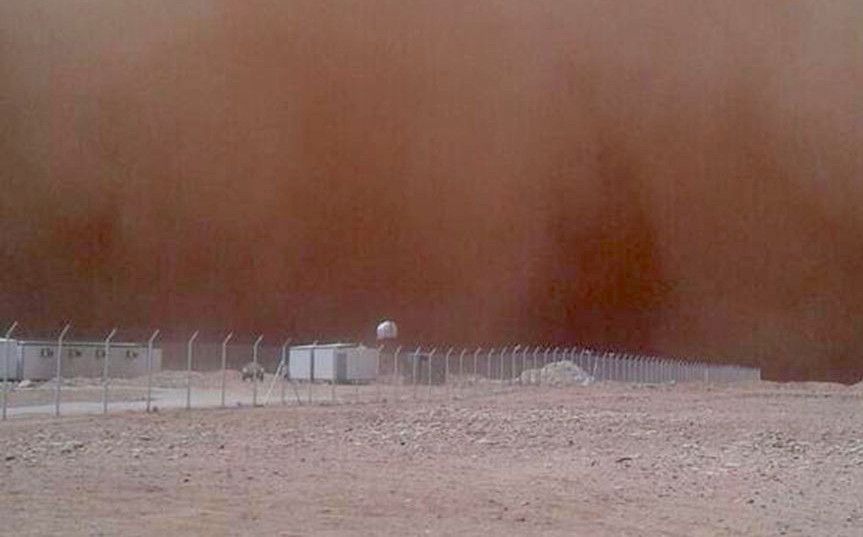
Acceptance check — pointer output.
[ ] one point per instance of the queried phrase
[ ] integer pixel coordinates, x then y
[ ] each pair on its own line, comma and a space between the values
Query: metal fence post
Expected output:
630, 367
500, 369
537, 364
59, 377
503, 364
150, 368
544, 363
189, 345
524, 352
8, 344
396, 373
608, 365
105, 365
311, 371
431, 355
378, 371
535, 373
333, 379
512, 358
224, 366
600, 364
446, 370
461, 368
414, 366
286, 352
624, 367
488, 360
255, 361
621, 361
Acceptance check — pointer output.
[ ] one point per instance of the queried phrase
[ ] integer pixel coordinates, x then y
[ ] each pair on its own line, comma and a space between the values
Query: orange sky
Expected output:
665, 176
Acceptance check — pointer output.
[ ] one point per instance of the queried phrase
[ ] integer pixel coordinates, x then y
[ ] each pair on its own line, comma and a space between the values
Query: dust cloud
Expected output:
658, 176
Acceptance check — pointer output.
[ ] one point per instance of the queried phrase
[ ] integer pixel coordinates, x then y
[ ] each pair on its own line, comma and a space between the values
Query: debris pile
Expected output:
562, 373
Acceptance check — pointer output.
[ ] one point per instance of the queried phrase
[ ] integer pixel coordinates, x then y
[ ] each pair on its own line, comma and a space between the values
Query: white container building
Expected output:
37, 360
343, 363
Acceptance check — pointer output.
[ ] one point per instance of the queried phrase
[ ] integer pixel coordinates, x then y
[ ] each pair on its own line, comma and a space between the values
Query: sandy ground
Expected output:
760, 459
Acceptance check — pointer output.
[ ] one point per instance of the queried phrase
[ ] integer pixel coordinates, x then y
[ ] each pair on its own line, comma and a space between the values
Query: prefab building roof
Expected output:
49, 343
327, 346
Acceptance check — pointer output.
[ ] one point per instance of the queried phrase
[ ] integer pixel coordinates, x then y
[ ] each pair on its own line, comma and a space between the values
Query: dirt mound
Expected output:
562, 373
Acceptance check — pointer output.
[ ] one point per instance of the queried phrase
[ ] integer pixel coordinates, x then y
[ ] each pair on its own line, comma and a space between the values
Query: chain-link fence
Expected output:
59, 376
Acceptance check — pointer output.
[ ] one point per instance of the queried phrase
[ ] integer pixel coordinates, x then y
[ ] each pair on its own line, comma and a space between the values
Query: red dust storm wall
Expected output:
662, 176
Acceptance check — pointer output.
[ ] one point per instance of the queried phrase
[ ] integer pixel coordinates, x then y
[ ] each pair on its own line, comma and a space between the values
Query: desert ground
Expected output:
606, 459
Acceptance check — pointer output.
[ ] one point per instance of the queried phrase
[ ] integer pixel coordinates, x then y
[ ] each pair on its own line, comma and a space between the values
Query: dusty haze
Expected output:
662, 176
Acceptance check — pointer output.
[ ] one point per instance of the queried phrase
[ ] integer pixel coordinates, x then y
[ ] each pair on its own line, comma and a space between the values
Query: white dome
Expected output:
388, 330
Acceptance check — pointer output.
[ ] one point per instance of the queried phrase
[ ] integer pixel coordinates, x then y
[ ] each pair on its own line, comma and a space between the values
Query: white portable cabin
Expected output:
37, 360
334, 362
9, 359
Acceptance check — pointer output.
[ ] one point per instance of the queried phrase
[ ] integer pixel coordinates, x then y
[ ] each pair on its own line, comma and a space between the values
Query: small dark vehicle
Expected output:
252, 371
